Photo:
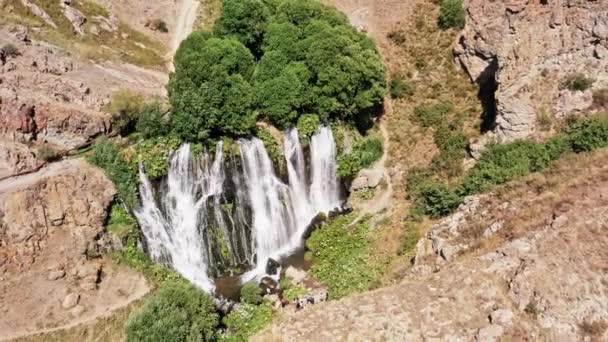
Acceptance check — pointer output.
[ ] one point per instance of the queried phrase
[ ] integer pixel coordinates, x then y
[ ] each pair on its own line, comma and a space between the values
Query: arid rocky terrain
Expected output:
527, 261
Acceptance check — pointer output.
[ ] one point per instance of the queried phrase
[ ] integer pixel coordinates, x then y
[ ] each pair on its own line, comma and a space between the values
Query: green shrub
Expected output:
150, 121
433, 115
437, 199
452, 144
251, 293
245, 321
125, 106
11, 50
365, 152
339, 257
271, 144
47, 153
176, 312
291, 291
451, 14
307, 126
107, 156
155, 154
121, 223
409, 239
401, 87
502, 163
589, 134
578, 82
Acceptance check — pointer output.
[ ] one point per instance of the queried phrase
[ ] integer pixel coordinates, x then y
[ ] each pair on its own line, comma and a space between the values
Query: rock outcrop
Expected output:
522, 52
15, 158
530, 264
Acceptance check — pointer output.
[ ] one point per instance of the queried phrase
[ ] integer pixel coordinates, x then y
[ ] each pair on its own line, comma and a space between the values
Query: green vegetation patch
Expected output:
308, 124
176, 312
245, 321
451, 14
366, 151
340, 256
276, 61
107, 155
501, 163
155, 153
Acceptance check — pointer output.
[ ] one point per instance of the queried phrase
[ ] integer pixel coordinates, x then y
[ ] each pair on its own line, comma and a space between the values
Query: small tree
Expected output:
150, 122
125, 107
578, 82
11, 50
451, 14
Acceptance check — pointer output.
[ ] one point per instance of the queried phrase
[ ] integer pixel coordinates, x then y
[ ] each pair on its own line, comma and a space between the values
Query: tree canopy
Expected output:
273, 60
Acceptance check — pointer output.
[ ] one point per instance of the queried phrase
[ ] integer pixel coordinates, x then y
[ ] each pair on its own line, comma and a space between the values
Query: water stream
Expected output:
214, 214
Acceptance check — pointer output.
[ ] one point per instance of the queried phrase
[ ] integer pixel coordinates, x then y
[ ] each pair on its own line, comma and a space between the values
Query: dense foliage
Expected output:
150, 122
339, 255
307, 126
154, 153
107, 156
451, 14
125, 106
176, 312
501, 163
275, 61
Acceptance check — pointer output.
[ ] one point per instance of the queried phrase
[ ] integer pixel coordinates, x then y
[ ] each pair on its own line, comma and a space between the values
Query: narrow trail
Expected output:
382, 201
188, 10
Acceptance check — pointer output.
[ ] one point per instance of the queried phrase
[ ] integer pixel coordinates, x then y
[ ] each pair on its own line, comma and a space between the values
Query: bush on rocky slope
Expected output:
451, 14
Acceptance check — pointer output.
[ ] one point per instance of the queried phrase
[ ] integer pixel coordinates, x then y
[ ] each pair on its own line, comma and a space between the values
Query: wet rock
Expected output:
70, 301
272, 266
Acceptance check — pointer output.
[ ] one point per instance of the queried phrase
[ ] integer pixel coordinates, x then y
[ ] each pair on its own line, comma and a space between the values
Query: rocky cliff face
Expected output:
527, 262
522, 52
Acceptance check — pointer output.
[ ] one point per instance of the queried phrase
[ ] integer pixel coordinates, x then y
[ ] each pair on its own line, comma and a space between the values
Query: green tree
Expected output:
176, 312
246, 20
210, 90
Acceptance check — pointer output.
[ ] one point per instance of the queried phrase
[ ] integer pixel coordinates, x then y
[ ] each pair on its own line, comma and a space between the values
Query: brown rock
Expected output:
70, 301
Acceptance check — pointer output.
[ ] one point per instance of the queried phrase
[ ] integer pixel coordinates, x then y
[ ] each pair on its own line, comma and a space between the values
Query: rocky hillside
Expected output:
527, 261
535, 61
60, 63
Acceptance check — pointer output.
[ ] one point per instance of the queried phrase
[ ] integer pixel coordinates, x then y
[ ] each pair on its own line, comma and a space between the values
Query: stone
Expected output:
77, 310
70, 301
74, 16
297, 275
39, 12
54, 275
493, 228
366, 179
503, 317
88, 286
490, 333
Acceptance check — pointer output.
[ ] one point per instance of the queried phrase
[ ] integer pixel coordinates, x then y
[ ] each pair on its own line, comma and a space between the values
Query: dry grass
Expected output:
126, 44
208, 12
105, 329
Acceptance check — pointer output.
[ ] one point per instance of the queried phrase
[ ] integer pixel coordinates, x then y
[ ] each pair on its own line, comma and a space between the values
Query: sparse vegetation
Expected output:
270, 144
47, 153
10, 50
158, 25
432, 115
578, 82
246, 320
451, 14
125, 107
397, 37
400, 87
600, 98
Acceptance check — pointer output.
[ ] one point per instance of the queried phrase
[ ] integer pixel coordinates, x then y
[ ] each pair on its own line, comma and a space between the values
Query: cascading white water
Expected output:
184, 229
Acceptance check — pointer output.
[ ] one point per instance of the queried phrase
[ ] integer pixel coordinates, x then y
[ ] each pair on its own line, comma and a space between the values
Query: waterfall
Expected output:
212, 214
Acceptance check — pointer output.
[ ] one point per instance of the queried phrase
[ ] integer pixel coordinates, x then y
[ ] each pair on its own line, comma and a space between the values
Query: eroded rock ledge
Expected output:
520, 52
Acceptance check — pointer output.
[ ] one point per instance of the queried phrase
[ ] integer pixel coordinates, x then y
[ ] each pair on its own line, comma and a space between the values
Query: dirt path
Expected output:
188, 10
